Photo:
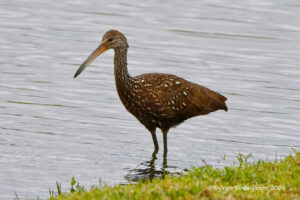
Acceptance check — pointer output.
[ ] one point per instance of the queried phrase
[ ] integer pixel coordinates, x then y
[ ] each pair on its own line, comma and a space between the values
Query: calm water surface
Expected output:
53, 127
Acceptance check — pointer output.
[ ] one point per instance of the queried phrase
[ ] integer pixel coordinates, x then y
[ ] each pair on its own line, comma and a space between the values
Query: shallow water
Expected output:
53, 127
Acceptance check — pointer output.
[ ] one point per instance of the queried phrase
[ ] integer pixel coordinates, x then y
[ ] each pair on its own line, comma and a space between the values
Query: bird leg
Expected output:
165, 134
156, 147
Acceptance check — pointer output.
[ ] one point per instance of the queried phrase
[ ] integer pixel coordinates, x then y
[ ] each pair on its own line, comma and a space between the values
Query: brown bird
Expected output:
156, 100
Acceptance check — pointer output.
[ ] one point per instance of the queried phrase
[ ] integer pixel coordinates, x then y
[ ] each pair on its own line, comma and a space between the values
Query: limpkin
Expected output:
156, 100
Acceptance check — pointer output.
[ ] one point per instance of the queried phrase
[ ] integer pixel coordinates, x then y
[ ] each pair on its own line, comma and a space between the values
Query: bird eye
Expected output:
110, 39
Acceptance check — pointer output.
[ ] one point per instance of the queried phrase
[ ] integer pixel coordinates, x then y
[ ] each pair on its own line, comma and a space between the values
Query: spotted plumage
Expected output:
156, 100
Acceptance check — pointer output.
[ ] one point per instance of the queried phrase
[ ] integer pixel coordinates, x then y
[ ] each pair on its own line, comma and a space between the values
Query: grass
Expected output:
279, 179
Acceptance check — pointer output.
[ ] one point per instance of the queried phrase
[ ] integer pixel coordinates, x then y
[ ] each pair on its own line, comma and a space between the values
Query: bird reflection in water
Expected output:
149, 170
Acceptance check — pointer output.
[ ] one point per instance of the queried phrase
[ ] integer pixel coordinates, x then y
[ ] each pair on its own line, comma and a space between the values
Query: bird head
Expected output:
112, 39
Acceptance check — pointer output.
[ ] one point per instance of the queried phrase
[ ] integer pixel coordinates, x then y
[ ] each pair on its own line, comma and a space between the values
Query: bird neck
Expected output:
122, 76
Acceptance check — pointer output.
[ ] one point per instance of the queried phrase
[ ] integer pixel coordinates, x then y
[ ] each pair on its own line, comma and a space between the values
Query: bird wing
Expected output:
169, 96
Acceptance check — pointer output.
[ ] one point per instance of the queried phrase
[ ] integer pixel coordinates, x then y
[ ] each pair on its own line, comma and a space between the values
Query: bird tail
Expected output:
217, 100
222, 103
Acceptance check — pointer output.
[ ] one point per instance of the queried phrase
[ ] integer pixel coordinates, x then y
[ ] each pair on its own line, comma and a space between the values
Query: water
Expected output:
54, 127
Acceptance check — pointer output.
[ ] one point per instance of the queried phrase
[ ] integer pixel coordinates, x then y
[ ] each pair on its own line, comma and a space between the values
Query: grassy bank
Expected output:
279, 179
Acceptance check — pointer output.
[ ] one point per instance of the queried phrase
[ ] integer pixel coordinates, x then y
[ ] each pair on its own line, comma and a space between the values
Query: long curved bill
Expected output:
92, 57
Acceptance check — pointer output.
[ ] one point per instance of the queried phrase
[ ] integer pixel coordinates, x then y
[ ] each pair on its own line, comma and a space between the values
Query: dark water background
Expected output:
53, 127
